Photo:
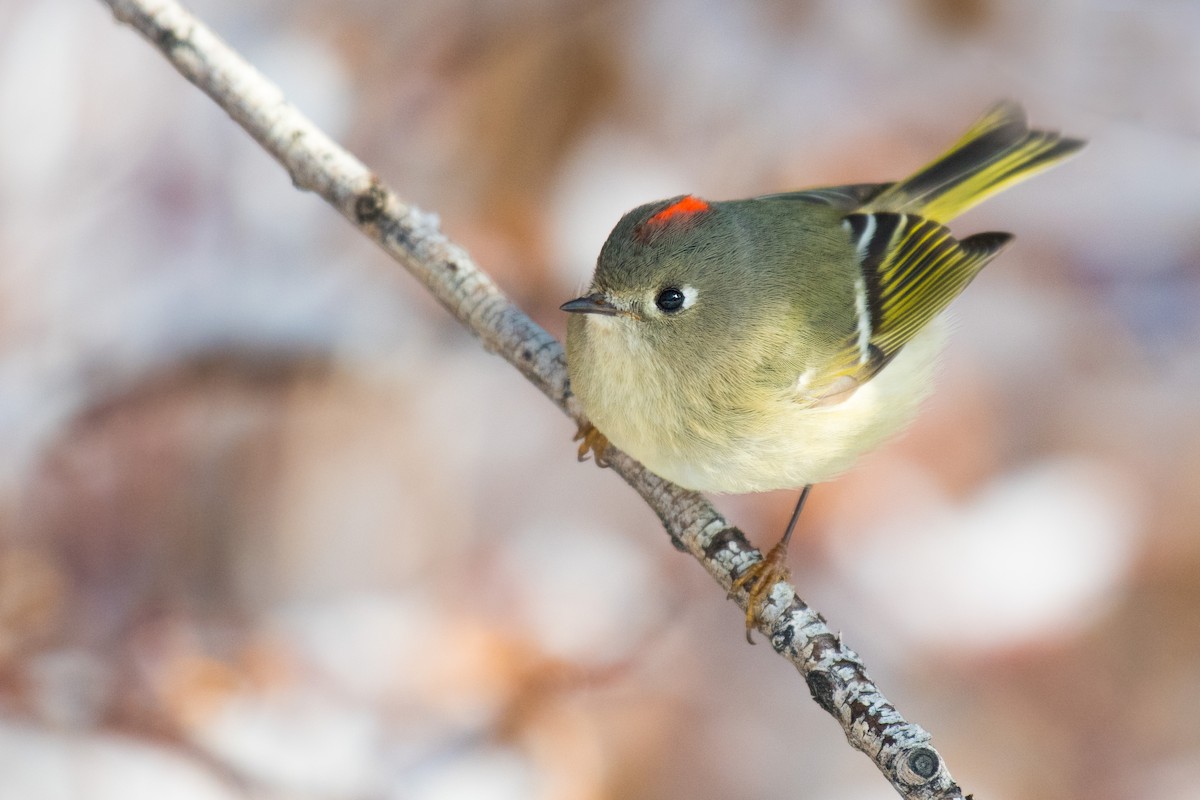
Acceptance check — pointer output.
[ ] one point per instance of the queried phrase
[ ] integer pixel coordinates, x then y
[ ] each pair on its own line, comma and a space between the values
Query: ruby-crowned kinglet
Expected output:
748, 345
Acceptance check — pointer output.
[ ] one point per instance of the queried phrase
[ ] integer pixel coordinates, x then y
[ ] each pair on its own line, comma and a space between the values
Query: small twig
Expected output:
835, 675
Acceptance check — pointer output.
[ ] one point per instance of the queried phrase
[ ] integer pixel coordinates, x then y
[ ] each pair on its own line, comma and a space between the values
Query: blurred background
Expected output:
272, 525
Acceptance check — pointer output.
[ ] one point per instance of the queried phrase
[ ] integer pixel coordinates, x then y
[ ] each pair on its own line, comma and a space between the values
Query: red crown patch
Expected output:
681, 209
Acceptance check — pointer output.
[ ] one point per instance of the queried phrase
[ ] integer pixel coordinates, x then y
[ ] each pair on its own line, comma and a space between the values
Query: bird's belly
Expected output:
781, 443
792, 447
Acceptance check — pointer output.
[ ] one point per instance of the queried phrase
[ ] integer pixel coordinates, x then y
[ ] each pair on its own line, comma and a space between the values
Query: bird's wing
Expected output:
910, 268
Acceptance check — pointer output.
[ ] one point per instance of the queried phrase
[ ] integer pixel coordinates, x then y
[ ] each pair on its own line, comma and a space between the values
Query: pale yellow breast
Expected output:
782, 444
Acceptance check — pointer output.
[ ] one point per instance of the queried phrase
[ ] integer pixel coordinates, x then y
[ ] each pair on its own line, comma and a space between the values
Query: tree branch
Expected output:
835, 675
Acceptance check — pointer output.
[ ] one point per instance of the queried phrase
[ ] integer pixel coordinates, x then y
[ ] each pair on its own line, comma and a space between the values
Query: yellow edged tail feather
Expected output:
996, 152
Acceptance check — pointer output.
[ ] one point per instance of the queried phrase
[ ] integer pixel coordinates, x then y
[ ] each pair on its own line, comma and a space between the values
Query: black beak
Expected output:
591, 304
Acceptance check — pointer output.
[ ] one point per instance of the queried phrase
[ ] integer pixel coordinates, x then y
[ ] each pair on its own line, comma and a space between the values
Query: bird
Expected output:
767, 343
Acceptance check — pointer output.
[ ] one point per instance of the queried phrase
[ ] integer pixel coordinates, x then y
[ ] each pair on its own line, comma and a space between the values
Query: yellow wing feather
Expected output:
910, 265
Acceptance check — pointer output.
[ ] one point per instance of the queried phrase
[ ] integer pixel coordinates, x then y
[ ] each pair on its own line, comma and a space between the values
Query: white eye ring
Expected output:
672, 299
690, 293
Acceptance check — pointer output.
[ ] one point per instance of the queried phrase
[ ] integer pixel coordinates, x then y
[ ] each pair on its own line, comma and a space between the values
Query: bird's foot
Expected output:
591, 443
761, 577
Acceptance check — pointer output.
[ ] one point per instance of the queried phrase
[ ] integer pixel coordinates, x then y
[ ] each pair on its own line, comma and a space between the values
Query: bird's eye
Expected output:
669, 300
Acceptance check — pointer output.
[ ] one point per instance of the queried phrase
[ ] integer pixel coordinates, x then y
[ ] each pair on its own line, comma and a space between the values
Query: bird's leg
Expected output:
763, 575
591, 442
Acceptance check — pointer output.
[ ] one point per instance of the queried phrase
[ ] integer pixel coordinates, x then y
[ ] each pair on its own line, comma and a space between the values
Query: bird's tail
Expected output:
998, 151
